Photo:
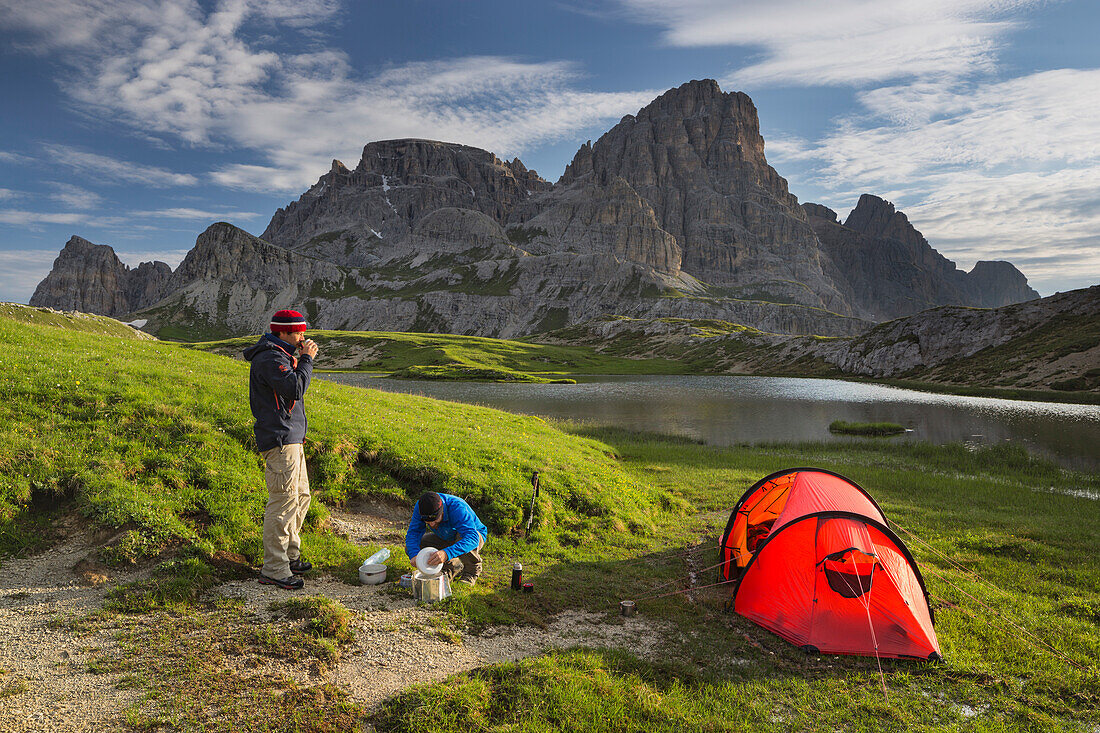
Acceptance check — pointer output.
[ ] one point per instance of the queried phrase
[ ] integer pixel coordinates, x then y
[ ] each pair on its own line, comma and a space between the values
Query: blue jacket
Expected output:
277, 383
459, 520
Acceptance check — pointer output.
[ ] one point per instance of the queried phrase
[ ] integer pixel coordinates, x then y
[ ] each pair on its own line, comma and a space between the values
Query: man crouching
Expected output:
277, 384
447, 523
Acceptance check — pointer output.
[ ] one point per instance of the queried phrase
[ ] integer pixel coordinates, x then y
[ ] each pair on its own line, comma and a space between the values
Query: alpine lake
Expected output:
755, 410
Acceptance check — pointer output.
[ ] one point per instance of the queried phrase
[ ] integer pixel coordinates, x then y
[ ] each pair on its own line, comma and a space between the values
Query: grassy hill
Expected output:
153, 441
382, 351
156, 438
71, 320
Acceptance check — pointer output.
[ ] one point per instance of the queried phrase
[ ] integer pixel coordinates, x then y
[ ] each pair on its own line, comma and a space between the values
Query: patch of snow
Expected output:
139, 323
377, 234
386, 186
473, 193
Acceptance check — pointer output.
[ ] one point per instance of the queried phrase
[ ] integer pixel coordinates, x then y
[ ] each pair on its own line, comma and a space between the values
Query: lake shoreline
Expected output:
733, 410
999, 393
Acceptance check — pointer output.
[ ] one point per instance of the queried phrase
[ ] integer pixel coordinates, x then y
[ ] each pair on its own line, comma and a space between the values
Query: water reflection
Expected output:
740, 410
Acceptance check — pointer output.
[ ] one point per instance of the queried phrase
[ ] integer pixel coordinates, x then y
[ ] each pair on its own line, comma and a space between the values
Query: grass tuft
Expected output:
324, 617
874, 429
172, 584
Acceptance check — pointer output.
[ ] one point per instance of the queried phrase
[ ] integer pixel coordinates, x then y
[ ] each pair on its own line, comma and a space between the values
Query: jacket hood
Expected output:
264, 344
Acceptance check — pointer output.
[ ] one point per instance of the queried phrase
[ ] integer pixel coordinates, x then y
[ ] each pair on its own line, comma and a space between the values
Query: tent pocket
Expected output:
849, 572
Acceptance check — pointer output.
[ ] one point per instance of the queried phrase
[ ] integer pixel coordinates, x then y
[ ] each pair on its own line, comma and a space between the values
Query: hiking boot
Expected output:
290, 582
300, 566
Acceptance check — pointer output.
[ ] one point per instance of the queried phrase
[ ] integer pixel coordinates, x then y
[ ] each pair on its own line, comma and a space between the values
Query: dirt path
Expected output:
399, 643
46, 684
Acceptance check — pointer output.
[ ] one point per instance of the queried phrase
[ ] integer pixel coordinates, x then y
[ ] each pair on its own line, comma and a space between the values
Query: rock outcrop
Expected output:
890, 270
696, 156
90, 278
1006, 345
996, 283
231, 282
1050, 343
463, 275
376, 205
607, 217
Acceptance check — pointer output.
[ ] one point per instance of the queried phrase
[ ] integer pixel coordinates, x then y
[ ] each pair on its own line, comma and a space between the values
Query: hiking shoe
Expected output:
300, 566
291, 582
468, 580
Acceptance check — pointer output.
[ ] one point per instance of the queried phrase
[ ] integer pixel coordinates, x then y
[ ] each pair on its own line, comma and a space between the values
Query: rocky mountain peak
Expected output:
426, 235
395, 183
998, 283
90, 278
876, 217
817, 211
695, 155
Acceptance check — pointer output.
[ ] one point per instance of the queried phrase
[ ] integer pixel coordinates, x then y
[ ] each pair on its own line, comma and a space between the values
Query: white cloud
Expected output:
1039, 221
21, 271
75, 197
6, 194
810, 42
133, 258
1004, 170
102, 167
172, 68
195, 214
489, 102
20, 217
15, 158
1039, 121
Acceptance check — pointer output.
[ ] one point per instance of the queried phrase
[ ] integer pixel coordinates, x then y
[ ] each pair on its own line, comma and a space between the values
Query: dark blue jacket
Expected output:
277, 384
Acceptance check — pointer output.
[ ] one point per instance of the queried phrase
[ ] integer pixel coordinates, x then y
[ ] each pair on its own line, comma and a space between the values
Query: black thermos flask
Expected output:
517, 576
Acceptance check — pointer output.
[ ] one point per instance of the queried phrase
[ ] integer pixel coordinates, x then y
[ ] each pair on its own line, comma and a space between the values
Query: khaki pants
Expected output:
469, 564
287, 504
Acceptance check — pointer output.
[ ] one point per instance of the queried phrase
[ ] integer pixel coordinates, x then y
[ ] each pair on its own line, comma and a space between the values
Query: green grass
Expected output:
324, 617
697, 347
69, 320
154, 439
866, 428
464, 373
381, 351
990, 511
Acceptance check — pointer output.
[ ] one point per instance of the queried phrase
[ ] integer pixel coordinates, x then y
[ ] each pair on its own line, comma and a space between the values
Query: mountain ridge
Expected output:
673, 212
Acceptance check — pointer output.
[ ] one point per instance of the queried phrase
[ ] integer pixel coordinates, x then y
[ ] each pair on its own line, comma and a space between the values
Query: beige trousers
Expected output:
287, 504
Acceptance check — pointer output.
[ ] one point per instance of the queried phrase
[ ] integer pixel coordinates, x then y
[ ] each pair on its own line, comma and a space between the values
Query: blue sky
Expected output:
138, 123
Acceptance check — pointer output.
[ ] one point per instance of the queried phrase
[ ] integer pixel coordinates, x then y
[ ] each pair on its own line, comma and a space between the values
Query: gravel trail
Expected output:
46, 683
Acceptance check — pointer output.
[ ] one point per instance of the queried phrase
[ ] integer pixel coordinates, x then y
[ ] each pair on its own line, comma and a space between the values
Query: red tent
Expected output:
819, 567
777, 499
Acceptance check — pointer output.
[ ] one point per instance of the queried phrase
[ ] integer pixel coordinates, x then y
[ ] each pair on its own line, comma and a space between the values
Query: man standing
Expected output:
448, 524
277, 384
